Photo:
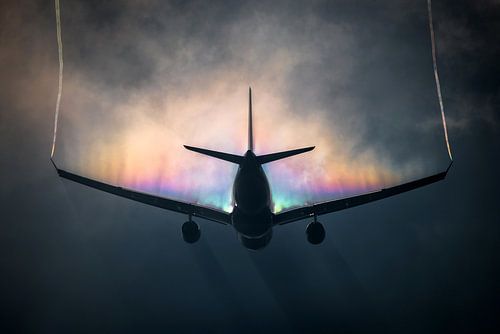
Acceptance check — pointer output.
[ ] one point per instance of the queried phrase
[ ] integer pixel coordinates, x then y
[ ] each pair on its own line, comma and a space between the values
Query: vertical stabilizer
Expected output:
250, 125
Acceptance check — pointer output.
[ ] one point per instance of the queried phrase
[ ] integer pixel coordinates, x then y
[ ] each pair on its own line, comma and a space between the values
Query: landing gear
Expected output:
190, 231
315, 232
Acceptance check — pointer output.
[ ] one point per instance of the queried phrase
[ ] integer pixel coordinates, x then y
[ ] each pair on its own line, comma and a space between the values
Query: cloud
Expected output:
353, 79
467, 44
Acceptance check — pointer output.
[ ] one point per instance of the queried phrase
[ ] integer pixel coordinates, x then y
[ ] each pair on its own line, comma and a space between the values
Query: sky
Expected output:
353, 78
138, 75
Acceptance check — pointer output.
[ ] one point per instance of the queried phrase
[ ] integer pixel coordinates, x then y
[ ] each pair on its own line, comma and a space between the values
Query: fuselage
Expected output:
252, 215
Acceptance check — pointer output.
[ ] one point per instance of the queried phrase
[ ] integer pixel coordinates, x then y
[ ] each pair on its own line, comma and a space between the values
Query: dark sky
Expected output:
76, 260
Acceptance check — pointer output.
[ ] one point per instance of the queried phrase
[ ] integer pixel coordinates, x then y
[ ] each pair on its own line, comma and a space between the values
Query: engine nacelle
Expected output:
190, 232
315, 233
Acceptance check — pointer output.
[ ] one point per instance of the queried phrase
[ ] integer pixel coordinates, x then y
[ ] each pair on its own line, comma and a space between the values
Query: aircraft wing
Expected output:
160, 202
349, 202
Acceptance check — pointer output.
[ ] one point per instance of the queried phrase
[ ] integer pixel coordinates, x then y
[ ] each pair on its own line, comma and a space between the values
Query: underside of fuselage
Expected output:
256, 243
254, 230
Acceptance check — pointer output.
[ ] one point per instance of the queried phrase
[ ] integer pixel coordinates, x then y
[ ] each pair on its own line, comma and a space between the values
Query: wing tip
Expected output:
54, 164
449, 166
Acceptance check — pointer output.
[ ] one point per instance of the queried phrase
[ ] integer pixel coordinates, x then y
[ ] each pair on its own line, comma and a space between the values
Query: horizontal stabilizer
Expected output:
219, 155
264, 159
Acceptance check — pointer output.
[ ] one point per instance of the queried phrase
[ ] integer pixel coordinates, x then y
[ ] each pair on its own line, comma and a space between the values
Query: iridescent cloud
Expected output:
147, 153
196, 94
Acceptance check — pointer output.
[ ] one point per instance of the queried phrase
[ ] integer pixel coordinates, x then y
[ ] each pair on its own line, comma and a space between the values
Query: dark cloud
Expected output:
468, 33
76, 260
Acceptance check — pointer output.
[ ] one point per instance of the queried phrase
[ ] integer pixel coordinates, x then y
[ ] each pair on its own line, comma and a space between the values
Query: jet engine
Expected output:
315, 233
190, 232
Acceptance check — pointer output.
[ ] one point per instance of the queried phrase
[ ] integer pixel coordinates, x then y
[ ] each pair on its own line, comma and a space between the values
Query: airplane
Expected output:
252, 216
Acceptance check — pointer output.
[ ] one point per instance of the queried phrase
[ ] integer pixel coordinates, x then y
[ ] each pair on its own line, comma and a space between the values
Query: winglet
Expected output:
54, 164
447, 169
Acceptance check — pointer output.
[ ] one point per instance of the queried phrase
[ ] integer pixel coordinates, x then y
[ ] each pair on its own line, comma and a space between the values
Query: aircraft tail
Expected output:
219, 155
250, 122
264, 159
237, 159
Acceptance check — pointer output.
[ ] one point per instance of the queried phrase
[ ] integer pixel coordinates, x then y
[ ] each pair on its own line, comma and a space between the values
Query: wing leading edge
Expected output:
349, 202
160, 202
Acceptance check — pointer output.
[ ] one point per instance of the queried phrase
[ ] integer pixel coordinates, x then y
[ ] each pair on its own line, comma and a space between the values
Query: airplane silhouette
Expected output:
252, 216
